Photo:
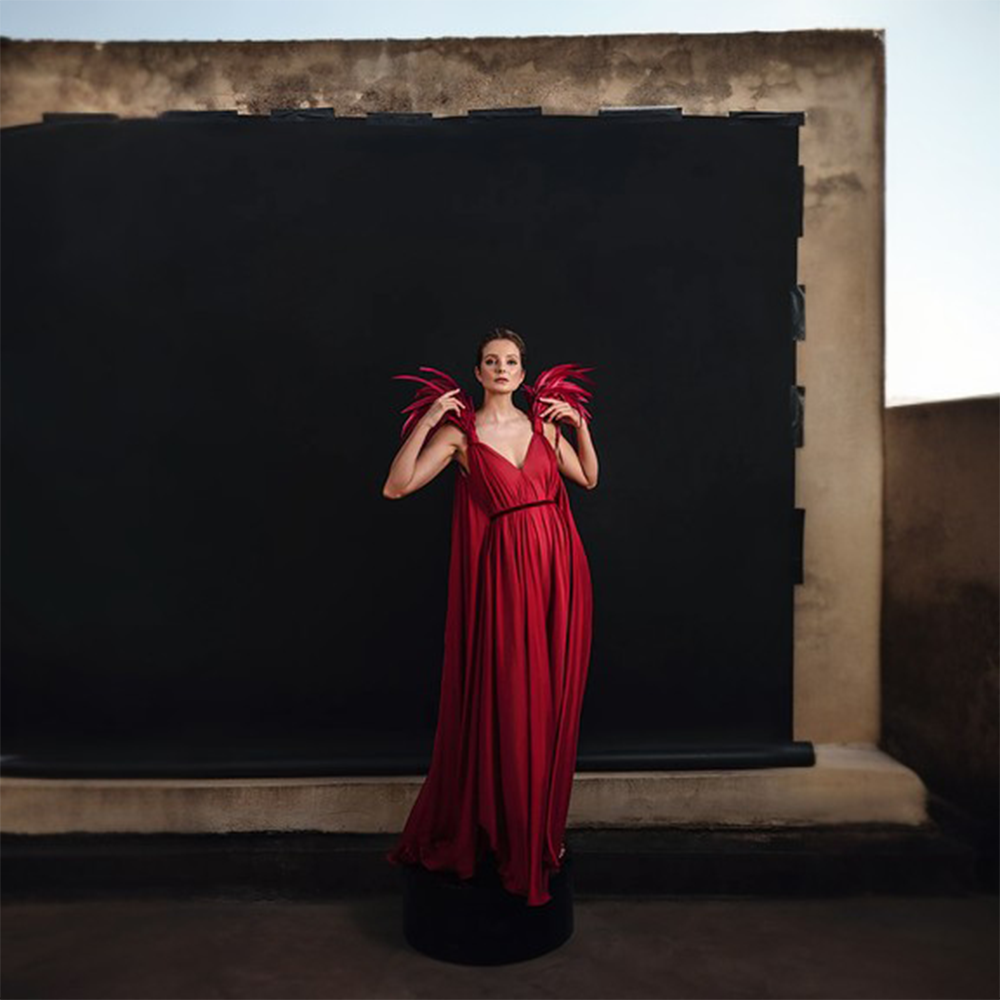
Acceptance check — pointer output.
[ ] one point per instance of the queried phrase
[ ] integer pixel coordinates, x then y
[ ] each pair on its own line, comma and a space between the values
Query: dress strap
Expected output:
538, 425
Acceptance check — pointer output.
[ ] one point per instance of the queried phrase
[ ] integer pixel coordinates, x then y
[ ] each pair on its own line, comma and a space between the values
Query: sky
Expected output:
943, 143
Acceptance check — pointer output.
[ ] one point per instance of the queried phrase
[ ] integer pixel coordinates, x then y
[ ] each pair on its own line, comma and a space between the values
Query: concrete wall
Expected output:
836, 77
942, 597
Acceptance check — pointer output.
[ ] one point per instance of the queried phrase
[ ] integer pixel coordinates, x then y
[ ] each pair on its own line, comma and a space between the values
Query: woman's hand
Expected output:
559, 410
582, 468
445, 402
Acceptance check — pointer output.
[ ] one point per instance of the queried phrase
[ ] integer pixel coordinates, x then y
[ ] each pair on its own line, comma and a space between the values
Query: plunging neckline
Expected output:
527, 454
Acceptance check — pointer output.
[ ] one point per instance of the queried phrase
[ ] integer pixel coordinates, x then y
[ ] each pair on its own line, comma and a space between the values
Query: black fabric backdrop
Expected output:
201, 318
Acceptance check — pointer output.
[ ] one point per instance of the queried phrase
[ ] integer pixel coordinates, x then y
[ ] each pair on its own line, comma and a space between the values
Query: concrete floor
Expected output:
879, 947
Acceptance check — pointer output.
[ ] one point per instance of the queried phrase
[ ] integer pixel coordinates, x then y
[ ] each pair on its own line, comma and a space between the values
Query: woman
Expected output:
518, 628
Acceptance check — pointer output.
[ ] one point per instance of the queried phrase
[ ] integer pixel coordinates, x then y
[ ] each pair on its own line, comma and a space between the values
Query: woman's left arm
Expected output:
582, 468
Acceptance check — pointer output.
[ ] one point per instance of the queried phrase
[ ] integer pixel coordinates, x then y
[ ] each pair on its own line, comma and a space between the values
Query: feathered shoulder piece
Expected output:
430, 389
557, 383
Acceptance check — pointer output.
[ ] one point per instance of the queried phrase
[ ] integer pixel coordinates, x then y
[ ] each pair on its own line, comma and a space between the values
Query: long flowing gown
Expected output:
517, 649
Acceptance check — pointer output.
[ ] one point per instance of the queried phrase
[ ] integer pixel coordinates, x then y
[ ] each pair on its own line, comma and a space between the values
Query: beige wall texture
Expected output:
836, 77
942, 597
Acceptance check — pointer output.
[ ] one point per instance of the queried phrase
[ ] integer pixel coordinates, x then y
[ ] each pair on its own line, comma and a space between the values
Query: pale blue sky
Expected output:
943, 158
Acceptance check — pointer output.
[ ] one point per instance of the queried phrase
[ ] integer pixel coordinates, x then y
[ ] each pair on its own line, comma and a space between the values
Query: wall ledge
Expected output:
851, 783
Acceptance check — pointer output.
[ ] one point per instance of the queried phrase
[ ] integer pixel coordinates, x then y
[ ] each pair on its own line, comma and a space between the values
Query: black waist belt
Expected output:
520, 506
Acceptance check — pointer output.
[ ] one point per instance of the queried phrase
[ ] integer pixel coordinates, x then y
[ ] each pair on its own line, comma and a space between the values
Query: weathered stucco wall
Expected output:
942, 597
836, 78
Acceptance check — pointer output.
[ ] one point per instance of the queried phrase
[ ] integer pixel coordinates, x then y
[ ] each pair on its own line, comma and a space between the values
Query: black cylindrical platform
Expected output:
477, 922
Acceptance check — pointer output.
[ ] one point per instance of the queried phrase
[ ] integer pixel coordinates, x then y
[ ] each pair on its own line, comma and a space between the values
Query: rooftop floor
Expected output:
856, 946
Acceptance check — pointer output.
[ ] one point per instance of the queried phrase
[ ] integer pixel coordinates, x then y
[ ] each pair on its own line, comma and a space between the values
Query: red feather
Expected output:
429, 391
556, 383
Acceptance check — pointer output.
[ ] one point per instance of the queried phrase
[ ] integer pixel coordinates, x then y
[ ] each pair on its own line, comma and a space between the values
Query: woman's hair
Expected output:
502, 333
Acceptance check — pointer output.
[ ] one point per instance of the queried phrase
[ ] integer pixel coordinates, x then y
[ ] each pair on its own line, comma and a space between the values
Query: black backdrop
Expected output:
201, 316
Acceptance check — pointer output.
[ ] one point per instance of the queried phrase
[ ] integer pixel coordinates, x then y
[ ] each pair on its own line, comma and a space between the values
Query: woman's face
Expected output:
500, 368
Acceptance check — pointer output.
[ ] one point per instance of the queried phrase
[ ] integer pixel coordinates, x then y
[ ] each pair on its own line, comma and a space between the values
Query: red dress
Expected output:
517, 648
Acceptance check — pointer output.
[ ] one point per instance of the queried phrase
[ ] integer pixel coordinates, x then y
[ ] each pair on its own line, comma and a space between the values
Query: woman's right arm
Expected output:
415, 465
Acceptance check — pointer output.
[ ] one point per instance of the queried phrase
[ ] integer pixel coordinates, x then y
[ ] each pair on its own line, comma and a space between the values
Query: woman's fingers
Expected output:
560, 409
